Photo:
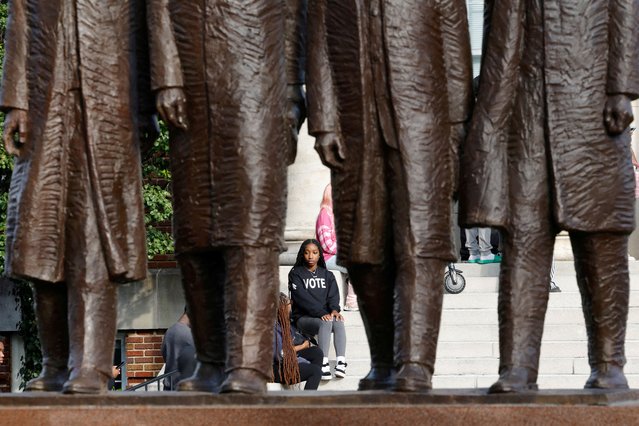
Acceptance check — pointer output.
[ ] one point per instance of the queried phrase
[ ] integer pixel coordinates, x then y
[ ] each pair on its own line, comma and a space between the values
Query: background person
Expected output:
294, 359
178, 351
1, 349
316, 304
325, 234
479, 247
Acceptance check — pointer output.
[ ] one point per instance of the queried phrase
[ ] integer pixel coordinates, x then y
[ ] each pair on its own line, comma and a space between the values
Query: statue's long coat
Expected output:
547, 70
47, 60
229, 167
395, 72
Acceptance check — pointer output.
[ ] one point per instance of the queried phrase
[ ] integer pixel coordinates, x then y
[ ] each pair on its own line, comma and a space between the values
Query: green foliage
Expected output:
28, 330
157, 196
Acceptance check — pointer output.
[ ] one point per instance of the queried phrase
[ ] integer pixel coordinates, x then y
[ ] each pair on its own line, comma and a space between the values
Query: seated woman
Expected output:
294, 359
316, 304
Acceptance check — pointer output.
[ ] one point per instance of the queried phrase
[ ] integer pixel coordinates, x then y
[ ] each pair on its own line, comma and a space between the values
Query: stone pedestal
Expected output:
440, 407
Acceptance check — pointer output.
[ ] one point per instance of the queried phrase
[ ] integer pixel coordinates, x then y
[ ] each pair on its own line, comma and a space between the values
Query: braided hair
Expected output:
289, 367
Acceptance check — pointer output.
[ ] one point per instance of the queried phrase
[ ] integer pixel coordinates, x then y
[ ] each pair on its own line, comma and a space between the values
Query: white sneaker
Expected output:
473, 258
326, 372
340, 369
351, 307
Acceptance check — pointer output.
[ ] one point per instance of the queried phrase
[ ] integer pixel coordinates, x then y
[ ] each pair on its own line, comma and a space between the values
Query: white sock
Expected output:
342, 359
325, 360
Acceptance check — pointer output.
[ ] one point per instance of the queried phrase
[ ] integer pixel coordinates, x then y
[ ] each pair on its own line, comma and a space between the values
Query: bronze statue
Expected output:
75, 221
548, 150
389, 90
229, 171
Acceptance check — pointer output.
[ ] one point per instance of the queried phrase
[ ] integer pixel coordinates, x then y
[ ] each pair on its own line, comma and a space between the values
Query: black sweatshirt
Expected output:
313, 295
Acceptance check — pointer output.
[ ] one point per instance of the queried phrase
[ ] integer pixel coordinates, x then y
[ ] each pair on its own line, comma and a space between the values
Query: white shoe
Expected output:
340, 369
473, 258
351, 307
326, 372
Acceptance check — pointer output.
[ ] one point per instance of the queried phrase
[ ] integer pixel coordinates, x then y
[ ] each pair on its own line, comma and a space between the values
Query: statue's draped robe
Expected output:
376, 77
546, 74
72, 64
229, 167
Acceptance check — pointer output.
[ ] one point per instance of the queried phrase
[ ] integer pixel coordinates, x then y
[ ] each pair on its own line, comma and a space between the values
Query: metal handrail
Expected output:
146, 384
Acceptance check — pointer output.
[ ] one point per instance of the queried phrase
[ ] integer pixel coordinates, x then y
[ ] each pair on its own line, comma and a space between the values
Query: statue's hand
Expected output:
15, 122
617, 114
296, 105
296, 113
331, 149
171, 104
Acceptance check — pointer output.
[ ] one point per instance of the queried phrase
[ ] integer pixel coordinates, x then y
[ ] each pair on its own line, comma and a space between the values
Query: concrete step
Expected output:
468, 348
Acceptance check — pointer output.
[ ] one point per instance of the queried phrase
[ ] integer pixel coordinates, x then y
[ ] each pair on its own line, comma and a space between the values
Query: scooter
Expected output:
454, 281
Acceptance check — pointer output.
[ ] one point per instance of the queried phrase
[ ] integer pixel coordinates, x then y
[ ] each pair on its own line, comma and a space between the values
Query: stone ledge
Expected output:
470, 407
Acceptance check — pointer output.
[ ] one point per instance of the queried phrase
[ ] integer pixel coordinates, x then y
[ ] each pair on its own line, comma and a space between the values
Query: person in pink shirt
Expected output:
325, 234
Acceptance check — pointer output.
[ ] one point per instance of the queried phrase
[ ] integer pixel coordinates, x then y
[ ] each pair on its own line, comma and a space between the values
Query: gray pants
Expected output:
475, 248
323, 329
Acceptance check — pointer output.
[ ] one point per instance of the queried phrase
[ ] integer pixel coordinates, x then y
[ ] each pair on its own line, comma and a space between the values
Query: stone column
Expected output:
307, 178
633, 244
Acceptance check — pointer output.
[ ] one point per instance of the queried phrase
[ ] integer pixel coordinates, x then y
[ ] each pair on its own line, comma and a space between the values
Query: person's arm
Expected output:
295, 70
14, 92
326, 232
459, 75
623, 65
333, 297
166, 69
304, 345
302, 300
323, 121
14, 97
458, 60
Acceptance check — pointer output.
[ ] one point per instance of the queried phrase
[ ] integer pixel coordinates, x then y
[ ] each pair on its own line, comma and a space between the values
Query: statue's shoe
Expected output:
51, 379
86, 382
205, 378
413, 377
515, 380
378, 378
244, 380
607, 376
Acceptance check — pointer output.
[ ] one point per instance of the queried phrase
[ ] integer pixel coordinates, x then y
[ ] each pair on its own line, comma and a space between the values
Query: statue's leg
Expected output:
51, 317
92, 295
92, 328
374, 286
523, 299
419, 286
528, 239
250, 296
203, 277
419, 291
601, 261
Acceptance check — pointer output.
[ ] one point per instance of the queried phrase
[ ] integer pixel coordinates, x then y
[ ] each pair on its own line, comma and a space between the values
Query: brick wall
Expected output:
143, 355
163, 261
5, 367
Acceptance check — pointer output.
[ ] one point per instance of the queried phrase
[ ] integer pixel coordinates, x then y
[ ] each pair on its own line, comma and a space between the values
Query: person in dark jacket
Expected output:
178, 351
295, 360
316, 309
